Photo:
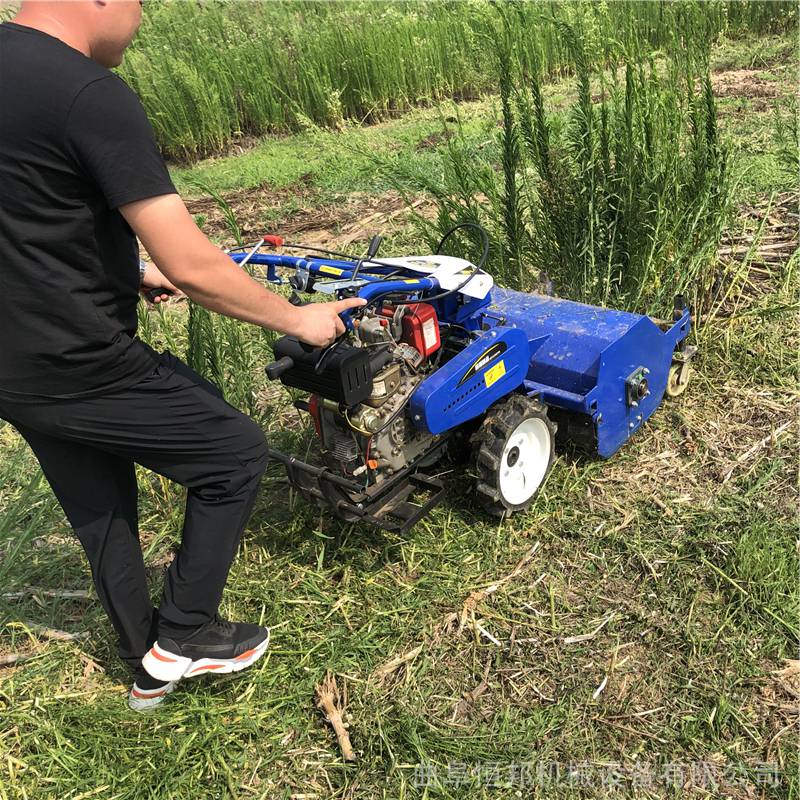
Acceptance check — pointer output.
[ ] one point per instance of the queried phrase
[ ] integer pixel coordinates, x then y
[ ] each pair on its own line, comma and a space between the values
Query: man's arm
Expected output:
209, 277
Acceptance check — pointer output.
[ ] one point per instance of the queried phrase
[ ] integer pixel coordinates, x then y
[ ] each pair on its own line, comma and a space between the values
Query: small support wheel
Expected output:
512, 453
678, 379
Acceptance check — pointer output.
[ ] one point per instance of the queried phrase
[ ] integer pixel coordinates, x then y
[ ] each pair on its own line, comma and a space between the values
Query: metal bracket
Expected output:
636, 388
396, 505
331, 287
300, 280
685, 353
498, 318
391, 510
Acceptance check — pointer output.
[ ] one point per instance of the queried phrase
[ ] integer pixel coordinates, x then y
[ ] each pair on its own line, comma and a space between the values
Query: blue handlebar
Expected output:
321, 267
374, 275
375, 289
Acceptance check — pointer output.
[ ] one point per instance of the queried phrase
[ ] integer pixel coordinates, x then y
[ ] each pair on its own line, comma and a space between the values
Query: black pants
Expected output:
177, 424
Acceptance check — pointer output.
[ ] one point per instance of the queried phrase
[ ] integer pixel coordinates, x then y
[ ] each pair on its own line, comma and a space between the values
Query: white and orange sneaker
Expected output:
141, 699
218, 646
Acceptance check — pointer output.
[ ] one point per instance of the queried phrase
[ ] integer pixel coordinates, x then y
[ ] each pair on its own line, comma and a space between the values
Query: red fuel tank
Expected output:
421, 328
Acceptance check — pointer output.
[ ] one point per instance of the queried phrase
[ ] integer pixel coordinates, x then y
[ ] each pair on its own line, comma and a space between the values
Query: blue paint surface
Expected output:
574, 356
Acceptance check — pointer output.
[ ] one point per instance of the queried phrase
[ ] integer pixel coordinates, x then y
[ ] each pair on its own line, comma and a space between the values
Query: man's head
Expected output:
101, 29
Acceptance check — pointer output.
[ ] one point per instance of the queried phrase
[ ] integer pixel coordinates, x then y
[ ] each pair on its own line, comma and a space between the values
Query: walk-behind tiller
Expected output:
440, 356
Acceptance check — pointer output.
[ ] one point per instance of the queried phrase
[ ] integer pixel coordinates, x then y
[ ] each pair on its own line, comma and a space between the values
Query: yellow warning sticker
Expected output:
494, 374
410, 280
331, 270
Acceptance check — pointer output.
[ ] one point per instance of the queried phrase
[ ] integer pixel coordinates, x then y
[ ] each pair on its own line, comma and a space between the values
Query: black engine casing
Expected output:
346, 378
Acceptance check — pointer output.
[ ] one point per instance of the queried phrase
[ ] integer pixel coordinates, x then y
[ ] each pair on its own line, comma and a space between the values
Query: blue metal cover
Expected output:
584, 355
490, 368
576, 357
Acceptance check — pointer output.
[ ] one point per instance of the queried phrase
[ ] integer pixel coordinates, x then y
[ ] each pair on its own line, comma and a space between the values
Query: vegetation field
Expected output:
210, 73
635, 633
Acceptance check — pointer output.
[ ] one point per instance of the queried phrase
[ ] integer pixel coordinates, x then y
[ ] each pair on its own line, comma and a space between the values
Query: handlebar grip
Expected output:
277, 368
296, 300
151, 294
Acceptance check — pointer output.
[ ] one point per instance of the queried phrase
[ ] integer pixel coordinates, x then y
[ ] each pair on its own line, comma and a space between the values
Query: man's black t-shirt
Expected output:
75, 144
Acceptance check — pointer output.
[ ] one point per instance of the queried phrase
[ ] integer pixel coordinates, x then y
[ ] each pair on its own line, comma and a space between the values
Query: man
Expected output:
80, 179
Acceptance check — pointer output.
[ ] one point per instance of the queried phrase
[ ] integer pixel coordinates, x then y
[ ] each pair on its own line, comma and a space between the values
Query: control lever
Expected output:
319, 367
374, 245
252, 252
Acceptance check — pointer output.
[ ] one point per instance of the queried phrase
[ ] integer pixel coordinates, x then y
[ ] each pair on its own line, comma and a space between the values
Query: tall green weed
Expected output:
620, 200
211, 72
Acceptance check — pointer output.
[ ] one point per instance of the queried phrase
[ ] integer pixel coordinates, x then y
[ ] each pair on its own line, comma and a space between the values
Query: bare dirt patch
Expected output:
435, 139
357, 217
743, 83
251, 207
263, 195
761, 94
295, 214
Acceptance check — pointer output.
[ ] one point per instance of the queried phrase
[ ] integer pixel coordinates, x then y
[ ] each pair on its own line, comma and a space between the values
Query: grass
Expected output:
683, 545
331, 162
212, 73
690, 593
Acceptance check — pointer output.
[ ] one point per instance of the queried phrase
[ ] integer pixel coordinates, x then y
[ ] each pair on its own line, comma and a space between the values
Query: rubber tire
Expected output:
488, 444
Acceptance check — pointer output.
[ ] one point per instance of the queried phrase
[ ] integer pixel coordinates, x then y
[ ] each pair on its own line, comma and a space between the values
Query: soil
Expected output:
743, 83
348, 219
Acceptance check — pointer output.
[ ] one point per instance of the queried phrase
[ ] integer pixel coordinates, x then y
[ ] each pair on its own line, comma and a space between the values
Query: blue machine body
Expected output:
581, 359
582, 356
490, 368
578, 358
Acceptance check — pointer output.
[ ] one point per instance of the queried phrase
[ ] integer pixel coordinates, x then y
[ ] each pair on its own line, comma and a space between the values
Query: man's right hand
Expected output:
318, 324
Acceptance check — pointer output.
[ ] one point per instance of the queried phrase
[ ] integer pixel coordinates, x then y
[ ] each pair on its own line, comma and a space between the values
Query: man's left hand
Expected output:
155, 279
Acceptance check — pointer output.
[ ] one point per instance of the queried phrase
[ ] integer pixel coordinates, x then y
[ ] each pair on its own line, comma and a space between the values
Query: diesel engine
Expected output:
359, 390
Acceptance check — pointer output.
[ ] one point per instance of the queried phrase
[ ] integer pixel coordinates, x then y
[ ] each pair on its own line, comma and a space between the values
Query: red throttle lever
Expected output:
275, 241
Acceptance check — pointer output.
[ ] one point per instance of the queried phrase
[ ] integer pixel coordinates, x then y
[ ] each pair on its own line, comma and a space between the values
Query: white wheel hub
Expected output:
526, 456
